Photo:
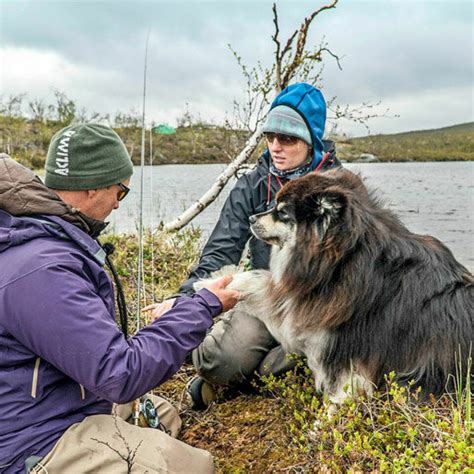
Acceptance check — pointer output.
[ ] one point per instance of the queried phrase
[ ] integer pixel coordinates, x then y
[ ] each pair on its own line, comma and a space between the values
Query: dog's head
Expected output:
308, 207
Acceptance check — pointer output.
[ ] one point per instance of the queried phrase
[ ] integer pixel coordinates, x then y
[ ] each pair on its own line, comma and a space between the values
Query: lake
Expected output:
430, 198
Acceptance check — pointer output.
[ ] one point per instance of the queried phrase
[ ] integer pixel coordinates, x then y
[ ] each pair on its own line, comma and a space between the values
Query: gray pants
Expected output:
237, 346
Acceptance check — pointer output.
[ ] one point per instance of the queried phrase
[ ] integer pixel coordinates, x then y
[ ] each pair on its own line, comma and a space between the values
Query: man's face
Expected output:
101, 202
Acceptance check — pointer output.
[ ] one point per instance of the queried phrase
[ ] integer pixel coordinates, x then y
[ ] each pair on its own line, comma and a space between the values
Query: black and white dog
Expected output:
356, 292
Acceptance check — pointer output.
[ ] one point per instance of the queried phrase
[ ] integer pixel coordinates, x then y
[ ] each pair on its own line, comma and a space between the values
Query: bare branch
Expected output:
217, 187
317, 12
288, 44
277, 42
292, 66
335, 56
360, 114
294, 61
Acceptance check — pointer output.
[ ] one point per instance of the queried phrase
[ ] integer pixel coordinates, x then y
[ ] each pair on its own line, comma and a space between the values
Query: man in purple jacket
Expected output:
64, 364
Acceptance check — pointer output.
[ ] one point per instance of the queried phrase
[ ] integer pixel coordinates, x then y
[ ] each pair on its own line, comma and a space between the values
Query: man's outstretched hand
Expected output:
228, 298
158, 309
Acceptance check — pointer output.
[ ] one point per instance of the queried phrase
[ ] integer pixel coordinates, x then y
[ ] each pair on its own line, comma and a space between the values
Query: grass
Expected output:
271, 427
454, 143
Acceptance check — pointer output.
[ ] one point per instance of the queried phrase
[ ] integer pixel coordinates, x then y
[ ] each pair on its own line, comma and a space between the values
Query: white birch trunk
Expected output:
209, 196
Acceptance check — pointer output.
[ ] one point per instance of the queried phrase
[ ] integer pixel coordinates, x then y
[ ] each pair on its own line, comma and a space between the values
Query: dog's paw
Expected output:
226, 270
206, 282
250, 284
200, 284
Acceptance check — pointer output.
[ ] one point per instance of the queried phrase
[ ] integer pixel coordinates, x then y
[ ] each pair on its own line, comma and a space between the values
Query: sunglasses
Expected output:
283, 139
124, 190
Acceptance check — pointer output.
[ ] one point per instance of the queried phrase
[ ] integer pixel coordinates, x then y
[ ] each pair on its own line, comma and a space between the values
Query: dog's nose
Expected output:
252, 219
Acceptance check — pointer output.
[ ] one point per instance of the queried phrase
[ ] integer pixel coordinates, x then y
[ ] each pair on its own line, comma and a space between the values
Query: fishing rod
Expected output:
152, 209
141, 278
143, 408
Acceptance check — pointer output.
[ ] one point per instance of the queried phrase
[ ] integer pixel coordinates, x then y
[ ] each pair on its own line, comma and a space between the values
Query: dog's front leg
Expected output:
252, 285
347, 385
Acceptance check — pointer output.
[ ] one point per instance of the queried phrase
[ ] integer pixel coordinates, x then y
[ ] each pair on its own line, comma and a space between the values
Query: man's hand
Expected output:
158, 309
228, 298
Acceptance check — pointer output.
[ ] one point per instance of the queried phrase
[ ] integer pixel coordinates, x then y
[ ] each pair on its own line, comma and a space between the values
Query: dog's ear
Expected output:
328, 207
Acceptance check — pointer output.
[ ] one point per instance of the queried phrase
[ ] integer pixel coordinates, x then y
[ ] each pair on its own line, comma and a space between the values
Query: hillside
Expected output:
27, 141
443, 144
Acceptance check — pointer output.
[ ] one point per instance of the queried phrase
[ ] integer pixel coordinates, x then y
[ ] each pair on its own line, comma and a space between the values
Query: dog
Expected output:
357, 293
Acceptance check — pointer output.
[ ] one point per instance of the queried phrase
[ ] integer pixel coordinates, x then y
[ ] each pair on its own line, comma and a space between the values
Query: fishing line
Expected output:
152, 213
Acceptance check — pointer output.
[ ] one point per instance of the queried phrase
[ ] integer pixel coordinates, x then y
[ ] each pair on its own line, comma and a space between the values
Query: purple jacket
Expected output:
62, 357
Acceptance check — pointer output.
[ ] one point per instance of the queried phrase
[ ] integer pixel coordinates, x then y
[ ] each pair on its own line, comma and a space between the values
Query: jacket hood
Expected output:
310, 104
22, 193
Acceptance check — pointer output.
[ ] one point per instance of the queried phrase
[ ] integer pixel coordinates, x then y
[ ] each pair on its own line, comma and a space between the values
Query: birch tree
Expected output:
292, 61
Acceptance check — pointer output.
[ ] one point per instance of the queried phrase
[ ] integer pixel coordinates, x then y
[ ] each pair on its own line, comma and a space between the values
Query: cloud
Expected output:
414, 56
38, 73
417, 111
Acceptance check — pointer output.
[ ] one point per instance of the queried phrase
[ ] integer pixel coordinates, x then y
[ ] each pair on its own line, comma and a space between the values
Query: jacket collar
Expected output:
22, 193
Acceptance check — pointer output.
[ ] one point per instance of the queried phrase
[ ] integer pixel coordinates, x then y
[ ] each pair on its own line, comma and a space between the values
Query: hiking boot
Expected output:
277, 362
199, 393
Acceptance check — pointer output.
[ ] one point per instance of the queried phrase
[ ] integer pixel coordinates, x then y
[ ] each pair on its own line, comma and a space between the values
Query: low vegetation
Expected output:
25, 135
454, 143
280, 424
27, 141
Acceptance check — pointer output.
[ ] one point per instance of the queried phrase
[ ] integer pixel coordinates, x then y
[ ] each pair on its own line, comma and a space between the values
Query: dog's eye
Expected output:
283, 216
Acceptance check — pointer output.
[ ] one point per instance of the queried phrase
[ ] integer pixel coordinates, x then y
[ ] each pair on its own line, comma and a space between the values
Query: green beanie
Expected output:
86, 156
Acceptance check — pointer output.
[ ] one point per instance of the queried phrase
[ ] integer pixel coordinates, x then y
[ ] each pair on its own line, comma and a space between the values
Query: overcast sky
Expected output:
414, 56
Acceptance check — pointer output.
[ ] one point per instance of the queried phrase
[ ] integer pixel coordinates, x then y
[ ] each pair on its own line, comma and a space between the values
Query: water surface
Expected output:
430, 198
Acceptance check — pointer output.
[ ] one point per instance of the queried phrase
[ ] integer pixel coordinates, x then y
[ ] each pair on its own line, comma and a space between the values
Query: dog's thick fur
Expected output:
356, 292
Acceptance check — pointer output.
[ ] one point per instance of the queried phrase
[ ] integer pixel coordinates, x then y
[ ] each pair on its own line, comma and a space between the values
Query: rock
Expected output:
366, 158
